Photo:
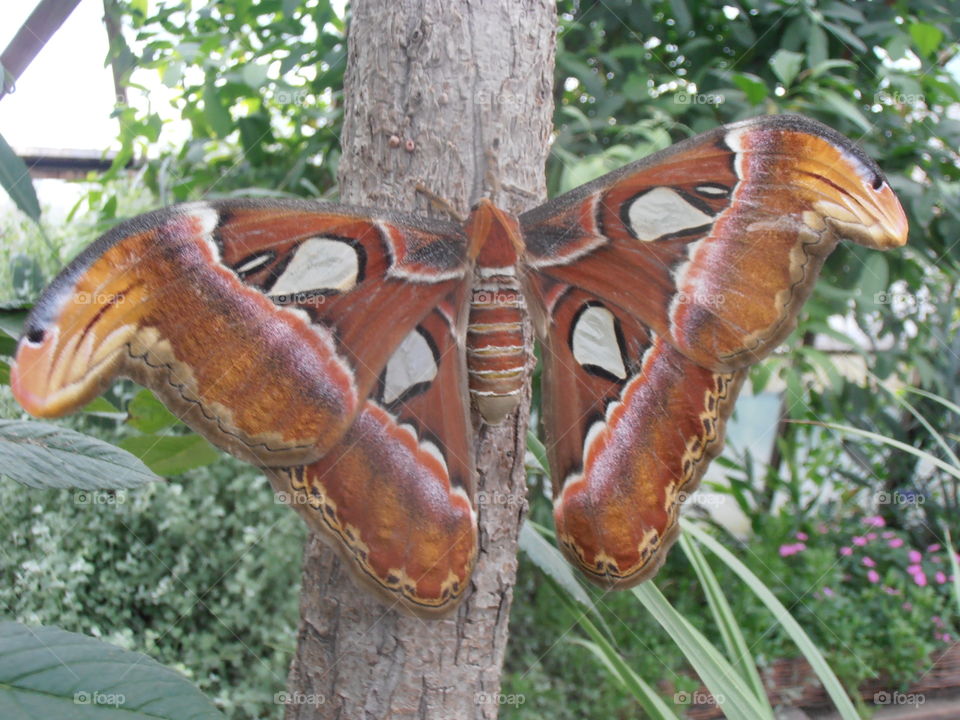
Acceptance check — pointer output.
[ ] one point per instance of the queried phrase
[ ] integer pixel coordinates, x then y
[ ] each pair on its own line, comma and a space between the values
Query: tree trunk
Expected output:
454, 97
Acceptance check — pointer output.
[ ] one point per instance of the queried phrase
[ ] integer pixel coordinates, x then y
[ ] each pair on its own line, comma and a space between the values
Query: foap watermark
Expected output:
900, 299
299, 698
99, 298
290, 498
496, 297
486, 98
702, 299
900, 497
498, 698
300, 298
699, 499
94, 697
100, 497
895, 697
682, 97
697, 697
291, 97
894, 97
496, 497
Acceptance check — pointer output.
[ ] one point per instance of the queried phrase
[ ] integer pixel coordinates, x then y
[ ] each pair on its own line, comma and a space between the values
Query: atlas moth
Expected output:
340, 348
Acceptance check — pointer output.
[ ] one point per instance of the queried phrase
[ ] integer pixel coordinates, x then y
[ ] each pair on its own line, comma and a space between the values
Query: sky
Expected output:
64, 99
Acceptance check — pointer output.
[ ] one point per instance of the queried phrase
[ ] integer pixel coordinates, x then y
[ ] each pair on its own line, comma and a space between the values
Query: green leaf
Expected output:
4, 373
539, 453
549, 559
926, 37
11, 322
101, 405
15, 179
753, 87
46, 672
786, 65
49, 456
215, 112
817, 46
728, 689
645, 694
810, 651
148, 415
171, 454
733, 640
844, 107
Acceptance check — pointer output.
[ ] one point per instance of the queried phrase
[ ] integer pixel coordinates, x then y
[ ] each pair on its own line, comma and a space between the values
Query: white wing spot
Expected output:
595, 341
254, 264
412, 363
319, 264
663, 211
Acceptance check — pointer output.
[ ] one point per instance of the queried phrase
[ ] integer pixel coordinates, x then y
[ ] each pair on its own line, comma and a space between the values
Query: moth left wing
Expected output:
264, 324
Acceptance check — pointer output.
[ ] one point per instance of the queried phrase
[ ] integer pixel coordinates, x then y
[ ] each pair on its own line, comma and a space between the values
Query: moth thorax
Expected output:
497, 352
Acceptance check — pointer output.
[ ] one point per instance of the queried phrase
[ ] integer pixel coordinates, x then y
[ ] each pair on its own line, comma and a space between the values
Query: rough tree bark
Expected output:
455, 97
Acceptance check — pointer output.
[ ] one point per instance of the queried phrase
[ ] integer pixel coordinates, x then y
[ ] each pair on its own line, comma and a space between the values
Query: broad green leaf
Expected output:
546, 557
215, 112
4, 373
171, 454
844, 107
11, 322
753, 87
842, 33
810, 651
148, 415
817, 47
15, 179
786, 65
49, 456
926, 37
731, 693
100, 405
46, 672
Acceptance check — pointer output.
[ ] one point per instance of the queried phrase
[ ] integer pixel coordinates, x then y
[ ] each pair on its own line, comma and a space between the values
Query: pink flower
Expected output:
869, 562
920, 579
937, 620
802, 536
846, 550
872, 576
828, 592
945, 637
914, 556
874, 521
933, 548
914, 569
786, 550
887, 534
891, 591
940, 578
895, 543
859, 541
871, 536
907, 606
